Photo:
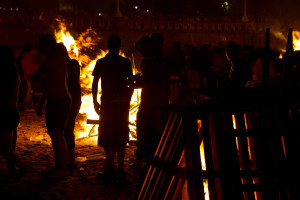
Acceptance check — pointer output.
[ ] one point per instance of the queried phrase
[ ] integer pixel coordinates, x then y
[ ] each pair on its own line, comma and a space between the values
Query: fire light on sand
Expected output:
76, 49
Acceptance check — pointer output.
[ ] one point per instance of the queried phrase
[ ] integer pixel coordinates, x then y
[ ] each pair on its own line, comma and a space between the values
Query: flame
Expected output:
203, 162
296, 40
65, 37
76, 49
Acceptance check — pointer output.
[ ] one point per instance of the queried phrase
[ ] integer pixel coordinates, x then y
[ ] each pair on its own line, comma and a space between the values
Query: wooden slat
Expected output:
268, 143
192, 155
208, 152
227, 157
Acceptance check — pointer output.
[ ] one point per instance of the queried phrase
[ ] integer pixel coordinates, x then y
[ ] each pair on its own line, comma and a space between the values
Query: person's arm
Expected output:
95, 94
130, 79
96, 73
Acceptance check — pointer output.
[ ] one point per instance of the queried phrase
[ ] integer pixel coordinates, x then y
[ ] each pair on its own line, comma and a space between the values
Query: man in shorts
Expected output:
52, 77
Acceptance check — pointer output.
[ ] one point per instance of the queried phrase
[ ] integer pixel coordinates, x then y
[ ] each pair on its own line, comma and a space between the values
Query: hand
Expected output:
97, 107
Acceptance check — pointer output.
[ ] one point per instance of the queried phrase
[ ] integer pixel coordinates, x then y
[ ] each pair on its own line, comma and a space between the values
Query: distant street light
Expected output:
118, 12
226, 6
245, 18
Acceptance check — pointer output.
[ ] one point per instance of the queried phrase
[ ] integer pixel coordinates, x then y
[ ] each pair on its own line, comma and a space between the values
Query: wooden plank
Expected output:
244, 154
192, 155
227, 157
208, 152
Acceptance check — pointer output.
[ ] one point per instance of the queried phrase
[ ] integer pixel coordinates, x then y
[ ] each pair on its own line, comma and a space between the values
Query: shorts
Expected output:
57, 113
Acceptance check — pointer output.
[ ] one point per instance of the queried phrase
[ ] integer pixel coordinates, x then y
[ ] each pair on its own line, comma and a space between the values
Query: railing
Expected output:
15, 19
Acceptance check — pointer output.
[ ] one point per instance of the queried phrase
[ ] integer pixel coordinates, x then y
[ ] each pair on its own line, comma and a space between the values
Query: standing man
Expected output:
116, 77
154, 82
239, 72
9, 114
52, 77
75, 92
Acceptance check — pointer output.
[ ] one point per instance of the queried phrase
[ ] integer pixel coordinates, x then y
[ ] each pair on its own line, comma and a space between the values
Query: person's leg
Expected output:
110, 153
7, 150
57, 112
109, 171
11, 164
69, 133
140, 131
70, 141
121, 156
60, 153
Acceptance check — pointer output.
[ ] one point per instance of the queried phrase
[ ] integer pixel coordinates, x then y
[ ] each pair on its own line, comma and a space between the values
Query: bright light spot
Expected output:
225, 5
136, 7
147, 11
99, 14
296, 40
17, 9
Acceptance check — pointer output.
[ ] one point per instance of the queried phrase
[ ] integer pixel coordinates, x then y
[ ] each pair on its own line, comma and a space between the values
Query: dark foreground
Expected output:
34, 148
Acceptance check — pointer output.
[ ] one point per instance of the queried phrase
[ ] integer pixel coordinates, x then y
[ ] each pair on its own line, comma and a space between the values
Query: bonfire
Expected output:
77, 48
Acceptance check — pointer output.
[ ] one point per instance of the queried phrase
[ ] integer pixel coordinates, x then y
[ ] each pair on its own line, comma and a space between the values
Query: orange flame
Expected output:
296, 40
75, 48
65, 37
203, 162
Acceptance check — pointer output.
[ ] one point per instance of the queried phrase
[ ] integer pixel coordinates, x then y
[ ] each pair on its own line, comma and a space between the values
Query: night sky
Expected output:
256, 8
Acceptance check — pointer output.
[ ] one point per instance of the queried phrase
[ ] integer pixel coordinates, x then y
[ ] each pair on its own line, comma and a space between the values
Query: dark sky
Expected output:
256, 8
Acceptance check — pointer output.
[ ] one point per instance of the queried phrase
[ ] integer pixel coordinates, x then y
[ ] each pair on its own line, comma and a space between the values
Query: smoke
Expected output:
279, 35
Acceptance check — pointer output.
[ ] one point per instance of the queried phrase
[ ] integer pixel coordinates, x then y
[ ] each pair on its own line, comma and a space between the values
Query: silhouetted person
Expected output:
201, 63
295, 79
192, 76
179, 62
23, 85
161, 68
52, 77
9, 115
239, 72
28, 66
116, 75
218, 68
155, 90
178, 57
75, 92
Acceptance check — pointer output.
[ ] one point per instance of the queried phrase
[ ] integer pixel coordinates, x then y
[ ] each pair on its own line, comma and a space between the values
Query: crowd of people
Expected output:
161, 76
57, 78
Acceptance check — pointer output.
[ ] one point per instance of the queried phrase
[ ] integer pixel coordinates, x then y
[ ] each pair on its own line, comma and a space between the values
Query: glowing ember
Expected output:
296, 40
76, 48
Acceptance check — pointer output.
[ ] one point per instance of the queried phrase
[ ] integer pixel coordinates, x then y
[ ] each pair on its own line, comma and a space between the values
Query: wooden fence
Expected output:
213, 151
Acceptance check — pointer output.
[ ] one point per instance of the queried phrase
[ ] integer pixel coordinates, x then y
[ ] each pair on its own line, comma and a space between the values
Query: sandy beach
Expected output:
34, 148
